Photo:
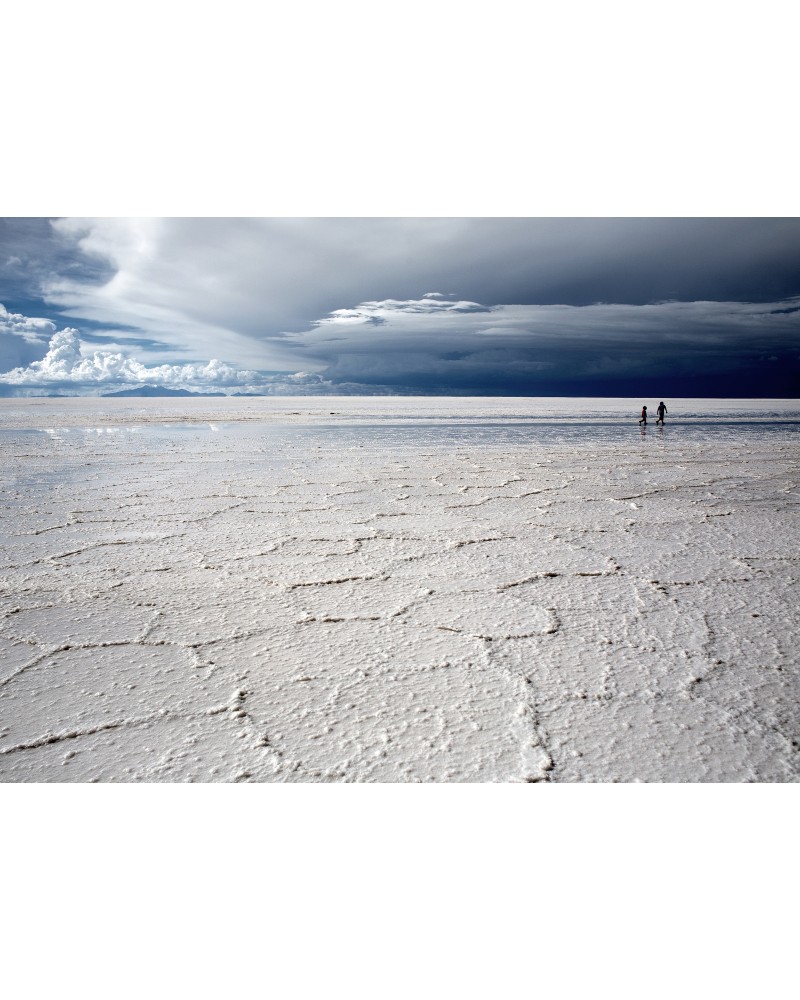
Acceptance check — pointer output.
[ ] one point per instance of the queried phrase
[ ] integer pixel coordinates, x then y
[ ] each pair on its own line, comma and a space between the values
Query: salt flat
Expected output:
398, 589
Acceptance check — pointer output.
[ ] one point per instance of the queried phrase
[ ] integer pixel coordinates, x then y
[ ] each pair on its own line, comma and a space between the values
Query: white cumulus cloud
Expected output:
29, 328
65, 364
70, 366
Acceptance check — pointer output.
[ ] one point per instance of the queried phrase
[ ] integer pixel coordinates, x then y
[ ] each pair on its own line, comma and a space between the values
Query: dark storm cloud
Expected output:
710, 348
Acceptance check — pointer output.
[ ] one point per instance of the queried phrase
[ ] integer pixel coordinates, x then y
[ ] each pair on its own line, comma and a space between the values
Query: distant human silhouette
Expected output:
661, 410
643, 419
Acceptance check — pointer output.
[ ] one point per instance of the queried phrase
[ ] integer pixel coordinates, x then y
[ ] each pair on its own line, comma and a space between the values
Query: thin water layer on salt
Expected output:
114, 416
450, 597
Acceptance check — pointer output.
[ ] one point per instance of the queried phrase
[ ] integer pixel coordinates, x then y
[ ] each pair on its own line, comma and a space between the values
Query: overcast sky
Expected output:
635, 307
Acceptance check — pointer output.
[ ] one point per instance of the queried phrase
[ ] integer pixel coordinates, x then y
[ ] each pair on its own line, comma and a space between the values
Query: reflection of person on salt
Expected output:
643, 419
661, 410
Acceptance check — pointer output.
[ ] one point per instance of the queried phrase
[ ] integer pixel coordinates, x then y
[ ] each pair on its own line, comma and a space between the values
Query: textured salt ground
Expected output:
243, 606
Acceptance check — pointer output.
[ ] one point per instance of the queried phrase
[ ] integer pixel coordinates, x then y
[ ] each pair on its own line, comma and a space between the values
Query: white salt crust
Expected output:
296, 594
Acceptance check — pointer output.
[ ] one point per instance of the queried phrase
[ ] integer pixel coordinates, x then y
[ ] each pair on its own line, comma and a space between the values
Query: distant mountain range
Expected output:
157, 390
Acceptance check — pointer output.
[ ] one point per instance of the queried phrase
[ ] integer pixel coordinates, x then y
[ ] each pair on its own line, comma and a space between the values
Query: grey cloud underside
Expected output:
265, 276
312, 267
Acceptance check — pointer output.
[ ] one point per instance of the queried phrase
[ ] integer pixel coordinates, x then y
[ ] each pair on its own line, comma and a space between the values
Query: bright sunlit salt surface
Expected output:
384, 589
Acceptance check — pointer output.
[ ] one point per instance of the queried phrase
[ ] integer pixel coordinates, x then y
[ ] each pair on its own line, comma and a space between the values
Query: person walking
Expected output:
661, 410
643, 419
